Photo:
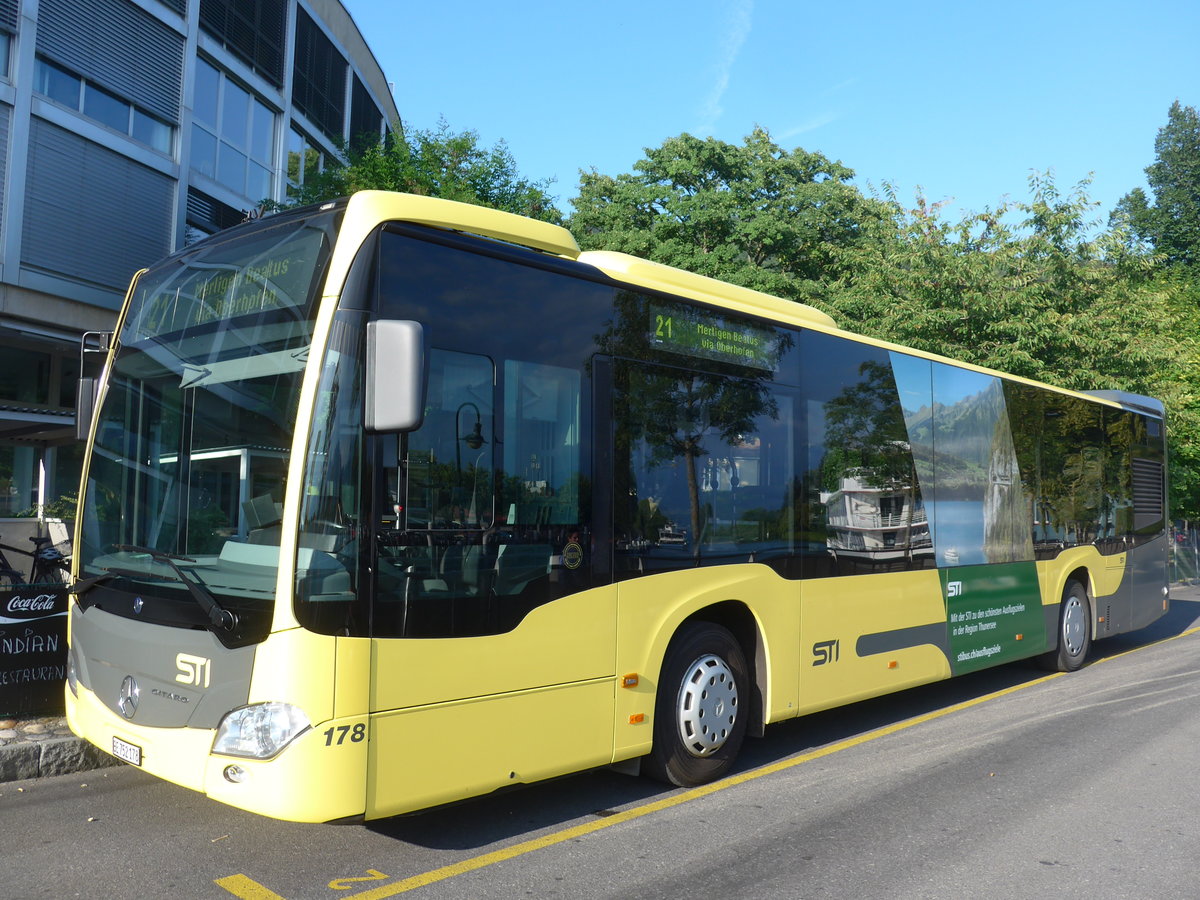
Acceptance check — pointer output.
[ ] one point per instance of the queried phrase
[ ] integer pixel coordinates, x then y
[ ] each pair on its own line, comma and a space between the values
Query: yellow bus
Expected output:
396, 501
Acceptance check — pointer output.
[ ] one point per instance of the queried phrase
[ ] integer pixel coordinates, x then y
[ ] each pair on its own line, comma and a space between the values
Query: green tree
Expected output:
1028, 288
1171, 223
436, 162
753, 214
1039, 298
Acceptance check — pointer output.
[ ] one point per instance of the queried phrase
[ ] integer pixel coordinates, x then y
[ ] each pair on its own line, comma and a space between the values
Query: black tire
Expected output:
702, 706
1074, 631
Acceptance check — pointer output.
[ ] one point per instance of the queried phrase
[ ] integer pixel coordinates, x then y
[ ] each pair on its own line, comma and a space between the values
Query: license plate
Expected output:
131, 753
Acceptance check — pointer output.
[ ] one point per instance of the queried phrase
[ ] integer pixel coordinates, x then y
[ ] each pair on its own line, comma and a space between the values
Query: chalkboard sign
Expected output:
33, 649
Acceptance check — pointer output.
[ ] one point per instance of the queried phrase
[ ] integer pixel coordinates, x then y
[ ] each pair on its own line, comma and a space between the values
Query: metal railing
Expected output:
1185, 555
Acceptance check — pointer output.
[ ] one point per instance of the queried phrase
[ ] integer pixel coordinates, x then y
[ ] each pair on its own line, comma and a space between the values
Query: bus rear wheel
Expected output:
701, 708
1074, 631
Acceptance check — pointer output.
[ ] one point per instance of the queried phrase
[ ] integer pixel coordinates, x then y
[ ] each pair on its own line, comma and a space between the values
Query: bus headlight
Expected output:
259, 731
72, 675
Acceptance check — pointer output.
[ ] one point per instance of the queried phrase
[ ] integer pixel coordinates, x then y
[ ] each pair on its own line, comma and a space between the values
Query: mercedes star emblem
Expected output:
128, 701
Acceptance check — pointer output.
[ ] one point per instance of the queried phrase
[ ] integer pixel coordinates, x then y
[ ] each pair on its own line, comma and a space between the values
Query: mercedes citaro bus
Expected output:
396, 501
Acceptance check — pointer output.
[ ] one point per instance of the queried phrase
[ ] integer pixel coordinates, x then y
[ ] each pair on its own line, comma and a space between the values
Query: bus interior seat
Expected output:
263, 517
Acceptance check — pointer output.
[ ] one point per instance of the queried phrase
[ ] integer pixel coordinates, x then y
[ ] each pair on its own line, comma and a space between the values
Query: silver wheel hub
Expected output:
708, 705
1074, 625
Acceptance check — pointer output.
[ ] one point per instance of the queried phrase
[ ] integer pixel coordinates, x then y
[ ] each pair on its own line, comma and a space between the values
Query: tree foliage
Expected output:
1033, 288
1171, 223
1022, 288
754, 214
436, 162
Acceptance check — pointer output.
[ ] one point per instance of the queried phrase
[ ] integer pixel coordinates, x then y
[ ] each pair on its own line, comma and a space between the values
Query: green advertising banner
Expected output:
993, 613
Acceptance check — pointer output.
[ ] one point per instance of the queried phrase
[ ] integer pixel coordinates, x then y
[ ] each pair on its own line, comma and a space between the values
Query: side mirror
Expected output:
85, 406
396, 374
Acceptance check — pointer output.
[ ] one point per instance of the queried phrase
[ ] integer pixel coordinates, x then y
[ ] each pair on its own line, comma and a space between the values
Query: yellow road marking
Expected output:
507, 853
246, 888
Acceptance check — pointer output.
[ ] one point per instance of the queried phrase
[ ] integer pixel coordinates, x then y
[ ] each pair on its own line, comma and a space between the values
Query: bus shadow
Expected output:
523, 813
1184, 614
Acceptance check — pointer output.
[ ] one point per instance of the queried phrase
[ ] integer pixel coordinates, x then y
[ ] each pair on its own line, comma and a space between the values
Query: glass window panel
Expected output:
151, 131
313, 163
231, 168
208, 88
57, 84
295, 157
24, 375
980, 509
5, 42
258, 186
864, 506
192, 234
204, 152
542, 453
262, 135
17, 480
709, 474
106, 108
235, 115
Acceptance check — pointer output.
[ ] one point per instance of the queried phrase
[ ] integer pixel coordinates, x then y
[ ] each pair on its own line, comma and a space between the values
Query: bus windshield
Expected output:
183, 499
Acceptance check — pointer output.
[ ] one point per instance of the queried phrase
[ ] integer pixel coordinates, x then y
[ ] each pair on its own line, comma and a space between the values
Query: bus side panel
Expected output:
650, 611
455, 717
1104, 576
569, 640
1149, 570
424, 757
867, 635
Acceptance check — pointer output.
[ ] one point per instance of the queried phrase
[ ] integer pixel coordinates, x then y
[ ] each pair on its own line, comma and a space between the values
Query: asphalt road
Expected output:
1006, 783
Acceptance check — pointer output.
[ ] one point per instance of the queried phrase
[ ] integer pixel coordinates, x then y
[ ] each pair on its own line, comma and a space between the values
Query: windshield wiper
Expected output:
83, 585
218, 615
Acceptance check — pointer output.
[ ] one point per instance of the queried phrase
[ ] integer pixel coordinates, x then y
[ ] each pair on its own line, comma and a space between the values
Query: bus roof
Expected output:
366, 208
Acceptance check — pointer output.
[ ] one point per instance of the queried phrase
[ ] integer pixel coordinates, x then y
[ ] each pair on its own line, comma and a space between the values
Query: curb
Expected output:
56, 756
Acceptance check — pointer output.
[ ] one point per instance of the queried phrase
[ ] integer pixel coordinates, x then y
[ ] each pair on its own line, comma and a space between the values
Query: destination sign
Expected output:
690, 331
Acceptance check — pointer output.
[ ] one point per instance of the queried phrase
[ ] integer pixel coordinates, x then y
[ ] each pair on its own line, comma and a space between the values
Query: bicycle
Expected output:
50, 565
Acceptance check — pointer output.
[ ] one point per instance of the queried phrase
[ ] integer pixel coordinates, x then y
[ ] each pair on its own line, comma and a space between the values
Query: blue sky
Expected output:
960, 99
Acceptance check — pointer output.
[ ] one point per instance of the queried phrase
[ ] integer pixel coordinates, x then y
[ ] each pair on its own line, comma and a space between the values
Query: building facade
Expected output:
128, 129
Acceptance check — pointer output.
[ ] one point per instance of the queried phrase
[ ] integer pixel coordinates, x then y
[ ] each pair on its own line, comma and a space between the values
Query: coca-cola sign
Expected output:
22, 607
33, 650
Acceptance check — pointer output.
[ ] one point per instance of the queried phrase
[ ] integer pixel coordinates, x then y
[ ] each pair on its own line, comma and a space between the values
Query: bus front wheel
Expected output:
701, 707
1074, 631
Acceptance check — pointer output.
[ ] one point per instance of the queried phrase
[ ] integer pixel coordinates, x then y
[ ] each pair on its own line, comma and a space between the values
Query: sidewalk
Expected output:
33, 748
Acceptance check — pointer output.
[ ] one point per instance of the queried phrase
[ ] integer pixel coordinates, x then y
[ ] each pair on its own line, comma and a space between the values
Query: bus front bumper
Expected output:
316, 778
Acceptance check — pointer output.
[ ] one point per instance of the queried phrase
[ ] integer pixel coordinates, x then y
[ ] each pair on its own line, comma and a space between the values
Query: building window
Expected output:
58, 84
319, 78
207, 215
251, 31
68, 89
366, 121
24, 376
106, 108
5, 46
233, 134
304, 162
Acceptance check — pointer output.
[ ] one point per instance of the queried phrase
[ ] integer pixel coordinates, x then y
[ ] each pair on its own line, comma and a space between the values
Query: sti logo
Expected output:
954, 589
825, 652
193, 670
